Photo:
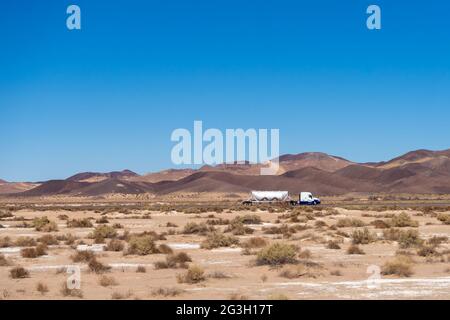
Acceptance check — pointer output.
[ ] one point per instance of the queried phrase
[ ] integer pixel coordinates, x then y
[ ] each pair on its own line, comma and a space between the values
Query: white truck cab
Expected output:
307, 198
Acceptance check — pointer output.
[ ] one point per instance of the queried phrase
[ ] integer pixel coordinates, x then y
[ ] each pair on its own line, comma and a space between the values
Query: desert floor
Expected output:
410, 264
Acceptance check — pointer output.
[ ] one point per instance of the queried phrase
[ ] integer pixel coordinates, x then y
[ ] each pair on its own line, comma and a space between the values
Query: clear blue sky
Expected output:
108, 97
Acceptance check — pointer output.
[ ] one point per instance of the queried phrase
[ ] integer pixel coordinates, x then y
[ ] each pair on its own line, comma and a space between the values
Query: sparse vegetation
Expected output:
444, 218
194, 274
80, 223
217, 240
107, 281
44, 224
41, 288
350, 222
19, 273
167, 292
141, 245
401, 267
362, 236
277, 254
354, 249
114, 245
402, 220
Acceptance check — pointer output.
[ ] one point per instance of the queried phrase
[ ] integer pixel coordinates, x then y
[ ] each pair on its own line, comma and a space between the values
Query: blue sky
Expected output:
107, 97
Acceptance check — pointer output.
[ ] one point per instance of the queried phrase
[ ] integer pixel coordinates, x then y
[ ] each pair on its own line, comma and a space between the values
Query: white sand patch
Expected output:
10, 250
180, 246
94, 247
227, 250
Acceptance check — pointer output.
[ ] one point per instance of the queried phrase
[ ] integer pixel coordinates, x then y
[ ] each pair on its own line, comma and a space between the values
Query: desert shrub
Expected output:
114, 245
427, 251
63, 217
106, 281
400, 266
83, 256
141, 245
171, 225
362, 236
409, 238
350, 222
319, 224
217, 240
40, 250
402, 220
102, 232
67, 292
48, 240
255, 242
80, 223
44, 224
194, 274
6, 242
380, 224
25, 242
294, 272
196, 228
277, 296
437, 240
102, 220
164, 248
5, 214
141, 269
354, 249
333, 245
167, 292
178, 260
248, 219
276, 254
444, 218
41, 288
238, 228
97, 267
19, 273
3, 261
117, 226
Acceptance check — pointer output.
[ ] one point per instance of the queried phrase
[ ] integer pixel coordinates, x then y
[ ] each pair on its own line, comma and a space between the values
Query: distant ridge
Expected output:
420, 171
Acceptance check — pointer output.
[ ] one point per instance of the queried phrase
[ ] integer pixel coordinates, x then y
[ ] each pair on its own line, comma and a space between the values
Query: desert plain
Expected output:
178, 248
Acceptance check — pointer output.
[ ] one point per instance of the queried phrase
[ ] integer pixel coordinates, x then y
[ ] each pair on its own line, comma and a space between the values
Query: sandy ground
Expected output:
330, 273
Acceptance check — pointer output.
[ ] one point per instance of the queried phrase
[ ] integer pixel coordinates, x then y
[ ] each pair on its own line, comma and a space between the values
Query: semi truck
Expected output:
304, 198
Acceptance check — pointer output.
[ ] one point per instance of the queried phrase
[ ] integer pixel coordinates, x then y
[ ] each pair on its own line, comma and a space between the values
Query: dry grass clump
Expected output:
194, 274
83, 256
297, 271
248, 219
238, 296
444, 218
3, 261
173, 261
277, 254
402, 220
141, 269
255, 242
19, 273
48, 240
6, 242
41, 288
44, 224
106, 281
197, 228
238, 228
114, 245
102, 220
217, 240
400, 266
354, 249
218, 275
379, 224
363, 236
67, 292
167, 292
350, 222
97, 267
141, 245
164, 248
80, 223
5, 214
427, 251
405, 238
333, 245
102, 232
39, 251
25, 242
437, 240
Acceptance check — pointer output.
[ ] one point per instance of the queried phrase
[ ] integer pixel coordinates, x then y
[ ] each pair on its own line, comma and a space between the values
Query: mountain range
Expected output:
420, 171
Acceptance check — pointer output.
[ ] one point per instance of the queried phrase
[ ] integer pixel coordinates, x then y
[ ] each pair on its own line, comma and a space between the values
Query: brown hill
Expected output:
419, 171
97, 176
